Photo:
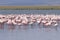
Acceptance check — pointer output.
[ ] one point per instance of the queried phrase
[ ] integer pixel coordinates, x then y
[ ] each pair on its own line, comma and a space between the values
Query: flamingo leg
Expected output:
25, 26
1, 26
32, 26
19, 27
11, 27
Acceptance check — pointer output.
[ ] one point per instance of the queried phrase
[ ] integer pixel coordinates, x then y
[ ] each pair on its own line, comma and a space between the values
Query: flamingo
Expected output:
18, 21
55, 24
32, 21
46, 20
1, 24
24, 22
2, 21
10, 24
48, 24
38, 20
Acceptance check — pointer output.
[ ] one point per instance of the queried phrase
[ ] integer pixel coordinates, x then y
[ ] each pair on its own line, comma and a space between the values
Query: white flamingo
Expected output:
55, 24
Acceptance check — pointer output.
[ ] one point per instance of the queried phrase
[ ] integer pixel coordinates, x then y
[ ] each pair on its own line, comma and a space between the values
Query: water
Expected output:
30, 34
30, 12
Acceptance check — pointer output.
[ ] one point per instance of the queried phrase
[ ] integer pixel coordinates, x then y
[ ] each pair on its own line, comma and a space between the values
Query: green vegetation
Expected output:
29, 7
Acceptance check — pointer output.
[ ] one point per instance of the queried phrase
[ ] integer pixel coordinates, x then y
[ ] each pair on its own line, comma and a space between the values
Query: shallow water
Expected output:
30, 34
30, 12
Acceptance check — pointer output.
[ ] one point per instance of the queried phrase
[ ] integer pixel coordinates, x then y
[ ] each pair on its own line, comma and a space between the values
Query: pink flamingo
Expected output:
25, 22
1, 24
2, 21
10, 24
17, 21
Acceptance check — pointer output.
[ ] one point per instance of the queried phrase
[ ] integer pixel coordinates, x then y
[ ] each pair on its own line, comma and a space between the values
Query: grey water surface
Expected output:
30, 12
